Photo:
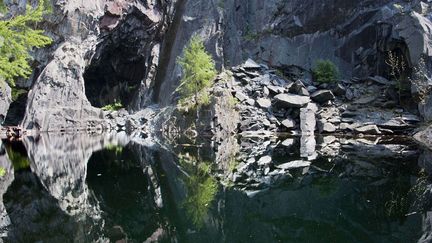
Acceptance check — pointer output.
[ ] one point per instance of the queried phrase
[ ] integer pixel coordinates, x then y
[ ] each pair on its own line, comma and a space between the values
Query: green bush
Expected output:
198, 70
325, 71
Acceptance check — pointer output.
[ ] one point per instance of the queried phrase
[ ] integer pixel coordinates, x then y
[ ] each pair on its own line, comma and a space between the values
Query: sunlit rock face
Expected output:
57, 101
6, 178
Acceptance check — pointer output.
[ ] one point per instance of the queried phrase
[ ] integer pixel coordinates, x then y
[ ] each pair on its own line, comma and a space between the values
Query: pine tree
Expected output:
198, 69
17, 39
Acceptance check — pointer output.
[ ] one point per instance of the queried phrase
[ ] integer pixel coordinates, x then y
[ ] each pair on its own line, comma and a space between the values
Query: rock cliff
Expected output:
109, 51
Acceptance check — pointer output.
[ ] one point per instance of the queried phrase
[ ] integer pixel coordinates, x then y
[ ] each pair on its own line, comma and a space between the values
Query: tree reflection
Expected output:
19, 160
201, 188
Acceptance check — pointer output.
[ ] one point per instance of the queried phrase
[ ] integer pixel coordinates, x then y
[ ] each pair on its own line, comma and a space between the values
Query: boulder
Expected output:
288, 142
275, 89
307, 119
290, 100
264, 103
326, 127
241, 96
288, 123
294, 165
265, 160
369, 129
339, 90
299, 88
251, 64
322, 96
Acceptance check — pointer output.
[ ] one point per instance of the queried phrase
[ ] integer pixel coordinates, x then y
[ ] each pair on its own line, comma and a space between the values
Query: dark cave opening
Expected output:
114, 77
120, 62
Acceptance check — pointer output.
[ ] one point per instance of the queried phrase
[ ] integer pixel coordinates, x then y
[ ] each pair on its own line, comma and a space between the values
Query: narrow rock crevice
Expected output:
167, 48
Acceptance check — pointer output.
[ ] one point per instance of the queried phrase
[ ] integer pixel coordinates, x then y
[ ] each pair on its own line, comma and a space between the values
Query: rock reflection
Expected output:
60, 163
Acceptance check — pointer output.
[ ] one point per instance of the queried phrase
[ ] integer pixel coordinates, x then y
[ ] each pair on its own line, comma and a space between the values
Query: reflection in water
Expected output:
107, 188
201, 188
17, 154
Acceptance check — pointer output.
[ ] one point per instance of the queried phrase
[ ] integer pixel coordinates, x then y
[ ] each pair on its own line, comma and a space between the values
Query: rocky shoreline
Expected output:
270, 103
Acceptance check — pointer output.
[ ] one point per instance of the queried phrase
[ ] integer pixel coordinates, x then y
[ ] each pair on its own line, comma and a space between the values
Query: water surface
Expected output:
86, 188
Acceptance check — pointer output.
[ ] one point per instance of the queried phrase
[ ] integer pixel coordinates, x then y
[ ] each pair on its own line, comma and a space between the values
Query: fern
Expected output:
17, 39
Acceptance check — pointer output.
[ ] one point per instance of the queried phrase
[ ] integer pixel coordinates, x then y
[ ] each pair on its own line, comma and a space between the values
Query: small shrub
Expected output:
325, 71
2, 171
233, 102
398, 67
113, 107
198, 70
204, 98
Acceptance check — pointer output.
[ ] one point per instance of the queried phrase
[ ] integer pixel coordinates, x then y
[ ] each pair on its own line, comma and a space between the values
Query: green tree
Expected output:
18, 36
198, 71
325, 71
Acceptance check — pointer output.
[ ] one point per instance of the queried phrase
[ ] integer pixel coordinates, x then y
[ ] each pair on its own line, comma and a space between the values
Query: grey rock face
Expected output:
290, 100
268, 32
5, 100
201, 17
5, 182
57, 101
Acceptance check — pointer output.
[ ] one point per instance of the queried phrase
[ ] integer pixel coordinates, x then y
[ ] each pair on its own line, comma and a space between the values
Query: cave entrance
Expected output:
115, 76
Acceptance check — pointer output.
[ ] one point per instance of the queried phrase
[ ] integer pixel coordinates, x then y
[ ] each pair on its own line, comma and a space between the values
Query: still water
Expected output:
82, 188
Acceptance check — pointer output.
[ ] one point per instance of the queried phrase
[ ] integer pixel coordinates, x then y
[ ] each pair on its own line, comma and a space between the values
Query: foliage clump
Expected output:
398, 68
2, 171
198, 73
17, 38
113, 107
325, 71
